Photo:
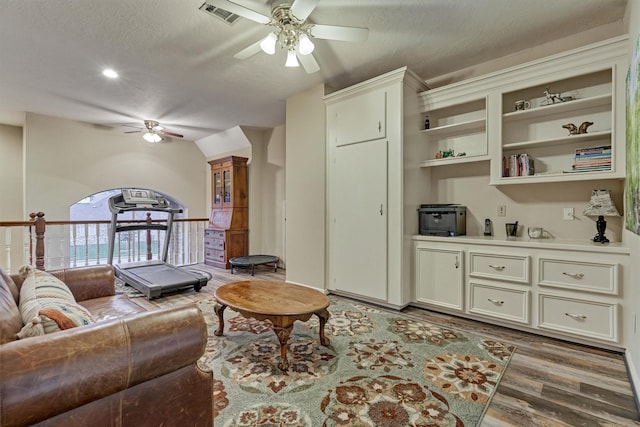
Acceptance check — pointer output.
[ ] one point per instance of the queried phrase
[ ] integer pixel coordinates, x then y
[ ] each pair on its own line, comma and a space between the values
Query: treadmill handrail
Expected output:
117, 205
135, 227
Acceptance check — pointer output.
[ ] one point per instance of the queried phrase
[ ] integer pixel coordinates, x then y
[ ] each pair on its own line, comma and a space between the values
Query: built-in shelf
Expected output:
457, 128
453, 161
583, 137
559, 108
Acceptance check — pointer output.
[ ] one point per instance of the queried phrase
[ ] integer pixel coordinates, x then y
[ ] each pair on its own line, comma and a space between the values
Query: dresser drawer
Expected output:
513, 268
213, 234
214, 255
214, 244
579, 275
578, 317
498, 302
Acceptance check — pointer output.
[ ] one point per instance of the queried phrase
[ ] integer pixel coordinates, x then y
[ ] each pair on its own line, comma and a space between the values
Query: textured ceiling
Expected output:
176, 62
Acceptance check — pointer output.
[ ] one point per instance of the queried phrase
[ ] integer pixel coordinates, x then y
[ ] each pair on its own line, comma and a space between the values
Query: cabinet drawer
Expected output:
214, 255
589, 276
502, 303
213, 234
502, 267
578, 317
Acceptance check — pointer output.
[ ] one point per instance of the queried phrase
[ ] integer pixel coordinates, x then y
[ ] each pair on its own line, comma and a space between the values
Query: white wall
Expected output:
11, 201
266, 191
11, 179
632, 288
305, 188
265, 149
66, 160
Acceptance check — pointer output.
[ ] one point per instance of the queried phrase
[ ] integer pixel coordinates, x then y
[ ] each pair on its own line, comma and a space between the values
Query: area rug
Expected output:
381, 368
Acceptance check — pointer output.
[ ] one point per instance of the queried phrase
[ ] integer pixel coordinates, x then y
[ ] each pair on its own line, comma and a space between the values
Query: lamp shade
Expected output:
292, 61
151, 137
600, 204
305, 45
268, 44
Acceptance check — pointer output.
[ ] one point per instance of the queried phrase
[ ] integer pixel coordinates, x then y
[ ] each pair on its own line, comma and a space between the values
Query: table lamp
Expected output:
600, 205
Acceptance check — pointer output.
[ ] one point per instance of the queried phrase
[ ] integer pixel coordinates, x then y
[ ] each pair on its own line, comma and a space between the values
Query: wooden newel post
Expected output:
149, 255
40, 227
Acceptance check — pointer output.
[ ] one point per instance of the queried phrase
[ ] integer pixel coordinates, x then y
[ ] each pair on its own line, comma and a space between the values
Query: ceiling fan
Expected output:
291, 31
154, 132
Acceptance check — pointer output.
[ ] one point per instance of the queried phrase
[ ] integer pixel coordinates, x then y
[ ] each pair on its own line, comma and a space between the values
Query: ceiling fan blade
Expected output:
133, 131
334, 32
309, 63
301, 9
175, 135
239, 10
249, 51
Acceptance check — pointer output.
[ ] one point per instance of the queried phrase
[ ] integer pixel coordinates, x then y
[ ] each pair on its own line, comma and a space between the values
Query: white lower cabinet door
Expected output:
439, 277
358, 219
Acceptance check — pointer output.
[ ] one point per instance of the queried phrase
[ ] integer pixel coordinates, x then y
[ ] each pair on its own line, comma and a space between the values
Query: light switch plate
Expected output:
568, 214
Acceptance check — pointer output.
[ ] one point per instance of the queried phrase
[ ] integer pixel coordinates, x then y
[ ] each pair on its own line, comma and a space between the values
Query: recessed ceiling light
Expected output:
110, 73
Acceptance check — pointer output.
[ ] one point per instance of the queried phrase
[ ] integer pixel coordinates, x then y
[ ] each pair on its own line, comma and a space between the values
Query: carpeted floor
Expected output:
381, 369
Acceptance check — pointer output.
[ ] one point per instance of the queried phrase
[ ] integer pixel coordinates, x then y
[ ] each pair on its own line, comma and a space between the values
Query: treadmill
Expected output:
153, 277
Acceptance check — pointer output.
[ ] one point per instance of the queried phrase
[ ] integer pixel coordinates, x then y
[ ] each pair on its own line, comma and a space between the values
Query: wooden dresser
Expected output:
228, 233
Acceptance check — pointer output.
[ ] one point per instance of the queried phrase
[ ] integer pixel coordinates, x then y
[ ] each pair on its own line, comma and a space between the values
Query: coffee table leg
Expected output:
219, 310
283, 336
323, 316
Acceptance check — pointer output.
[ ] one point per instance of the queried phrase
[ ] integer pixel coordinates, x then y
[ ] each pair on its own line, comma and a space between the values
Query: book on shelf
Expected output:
517, 165
593, 159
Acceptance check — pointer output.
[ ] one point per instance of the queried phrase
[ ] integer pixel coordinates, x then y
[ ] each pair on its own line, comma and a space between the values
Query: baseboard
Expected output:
633, 377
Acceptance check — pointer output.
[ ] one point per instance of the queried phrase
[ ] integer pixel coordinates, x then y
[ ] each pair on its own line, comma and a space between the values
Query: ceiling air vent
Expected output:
222, 14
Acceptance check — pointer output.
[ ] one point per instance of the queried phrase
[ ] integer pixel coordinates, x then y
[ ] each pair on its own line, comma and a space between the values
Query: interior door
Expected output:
358, 233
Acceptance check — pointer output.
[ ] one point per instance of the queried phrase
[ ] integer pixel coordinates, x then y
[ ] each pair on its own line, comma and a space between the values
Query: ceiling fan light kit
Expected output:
152, 137
291, 31
153, 131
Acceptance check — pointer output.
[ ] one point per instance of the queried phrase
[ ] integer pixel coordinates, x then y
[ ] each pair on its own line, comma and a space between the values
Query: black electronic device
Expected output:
152, 277
442, 220
487, 227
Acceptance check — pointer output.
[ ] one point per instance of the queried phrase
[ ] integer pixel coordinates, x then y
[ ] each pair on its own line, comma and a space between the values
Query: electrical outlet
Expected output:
568, 214
502, 210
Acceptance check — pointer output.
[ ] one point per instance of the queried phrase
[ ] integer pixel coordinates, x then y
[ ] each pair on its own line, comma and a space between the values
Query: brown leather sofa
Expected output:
130, 368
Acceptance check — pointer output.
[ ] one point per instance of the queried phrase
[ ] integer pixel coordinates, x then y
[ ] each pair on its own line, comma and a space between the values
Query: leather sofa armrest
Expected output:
84, 282
49, 375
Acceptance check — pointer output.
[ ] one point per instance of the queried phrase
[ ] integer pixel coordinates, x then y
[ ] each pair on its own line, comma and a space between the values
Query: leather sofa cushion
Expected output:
114, 307
10, 319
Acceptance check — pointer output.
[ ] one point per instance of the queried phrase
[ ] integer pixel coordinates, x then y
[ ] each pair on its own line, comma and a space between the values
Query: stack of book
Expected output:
517, 165
593, 159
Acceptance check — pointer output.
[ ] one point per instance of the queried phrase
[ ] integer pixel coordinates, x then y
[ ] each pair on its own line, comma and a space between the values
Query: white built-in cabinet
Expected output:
477, 119
440, 276
570, 290
368, 126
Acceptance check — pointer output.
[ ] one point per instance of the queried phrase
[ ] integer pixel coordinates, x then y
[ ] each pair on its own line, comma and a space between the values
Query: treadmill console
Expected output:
137, 200
140, 198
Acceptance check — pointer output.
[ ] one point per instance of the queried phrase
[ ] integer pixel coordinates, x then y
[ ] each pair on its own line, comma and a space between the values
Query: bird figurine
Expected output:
583, 127
573, 129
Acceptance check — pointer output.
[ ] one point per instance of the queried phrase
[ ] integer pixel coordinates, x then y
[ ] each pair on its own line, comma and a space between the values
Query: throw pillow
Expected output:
47, 305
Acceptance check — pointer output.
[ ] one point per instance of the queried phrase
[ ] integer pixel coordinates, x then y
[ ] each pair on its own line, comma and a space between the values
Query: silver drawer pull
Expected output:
574, 275
576, 316
495, 301
497, 267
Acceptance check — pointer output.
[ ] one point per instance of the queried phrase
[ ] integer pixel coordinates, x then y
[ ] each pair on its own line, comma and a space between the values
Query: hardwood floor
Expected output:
548, 382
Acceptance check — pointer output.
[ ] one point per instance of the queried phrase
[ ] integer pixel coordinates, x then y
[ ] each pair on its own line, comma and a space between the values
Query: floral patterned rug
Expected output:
381, 368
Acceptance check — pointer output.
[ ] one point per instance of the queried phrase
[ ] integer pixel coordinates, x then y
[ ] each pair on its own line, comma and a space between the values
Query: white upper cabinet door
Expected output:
358, 229
360, 118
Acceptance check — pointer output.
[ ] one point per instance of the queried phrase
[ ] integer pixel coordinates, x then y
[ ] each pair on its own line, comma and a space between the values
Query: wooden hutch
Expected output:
228, 233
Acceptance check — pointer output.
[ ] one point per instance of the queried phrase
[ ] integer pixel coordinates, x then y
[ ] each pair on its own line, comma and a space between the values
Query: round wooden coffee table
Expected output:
280, 302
